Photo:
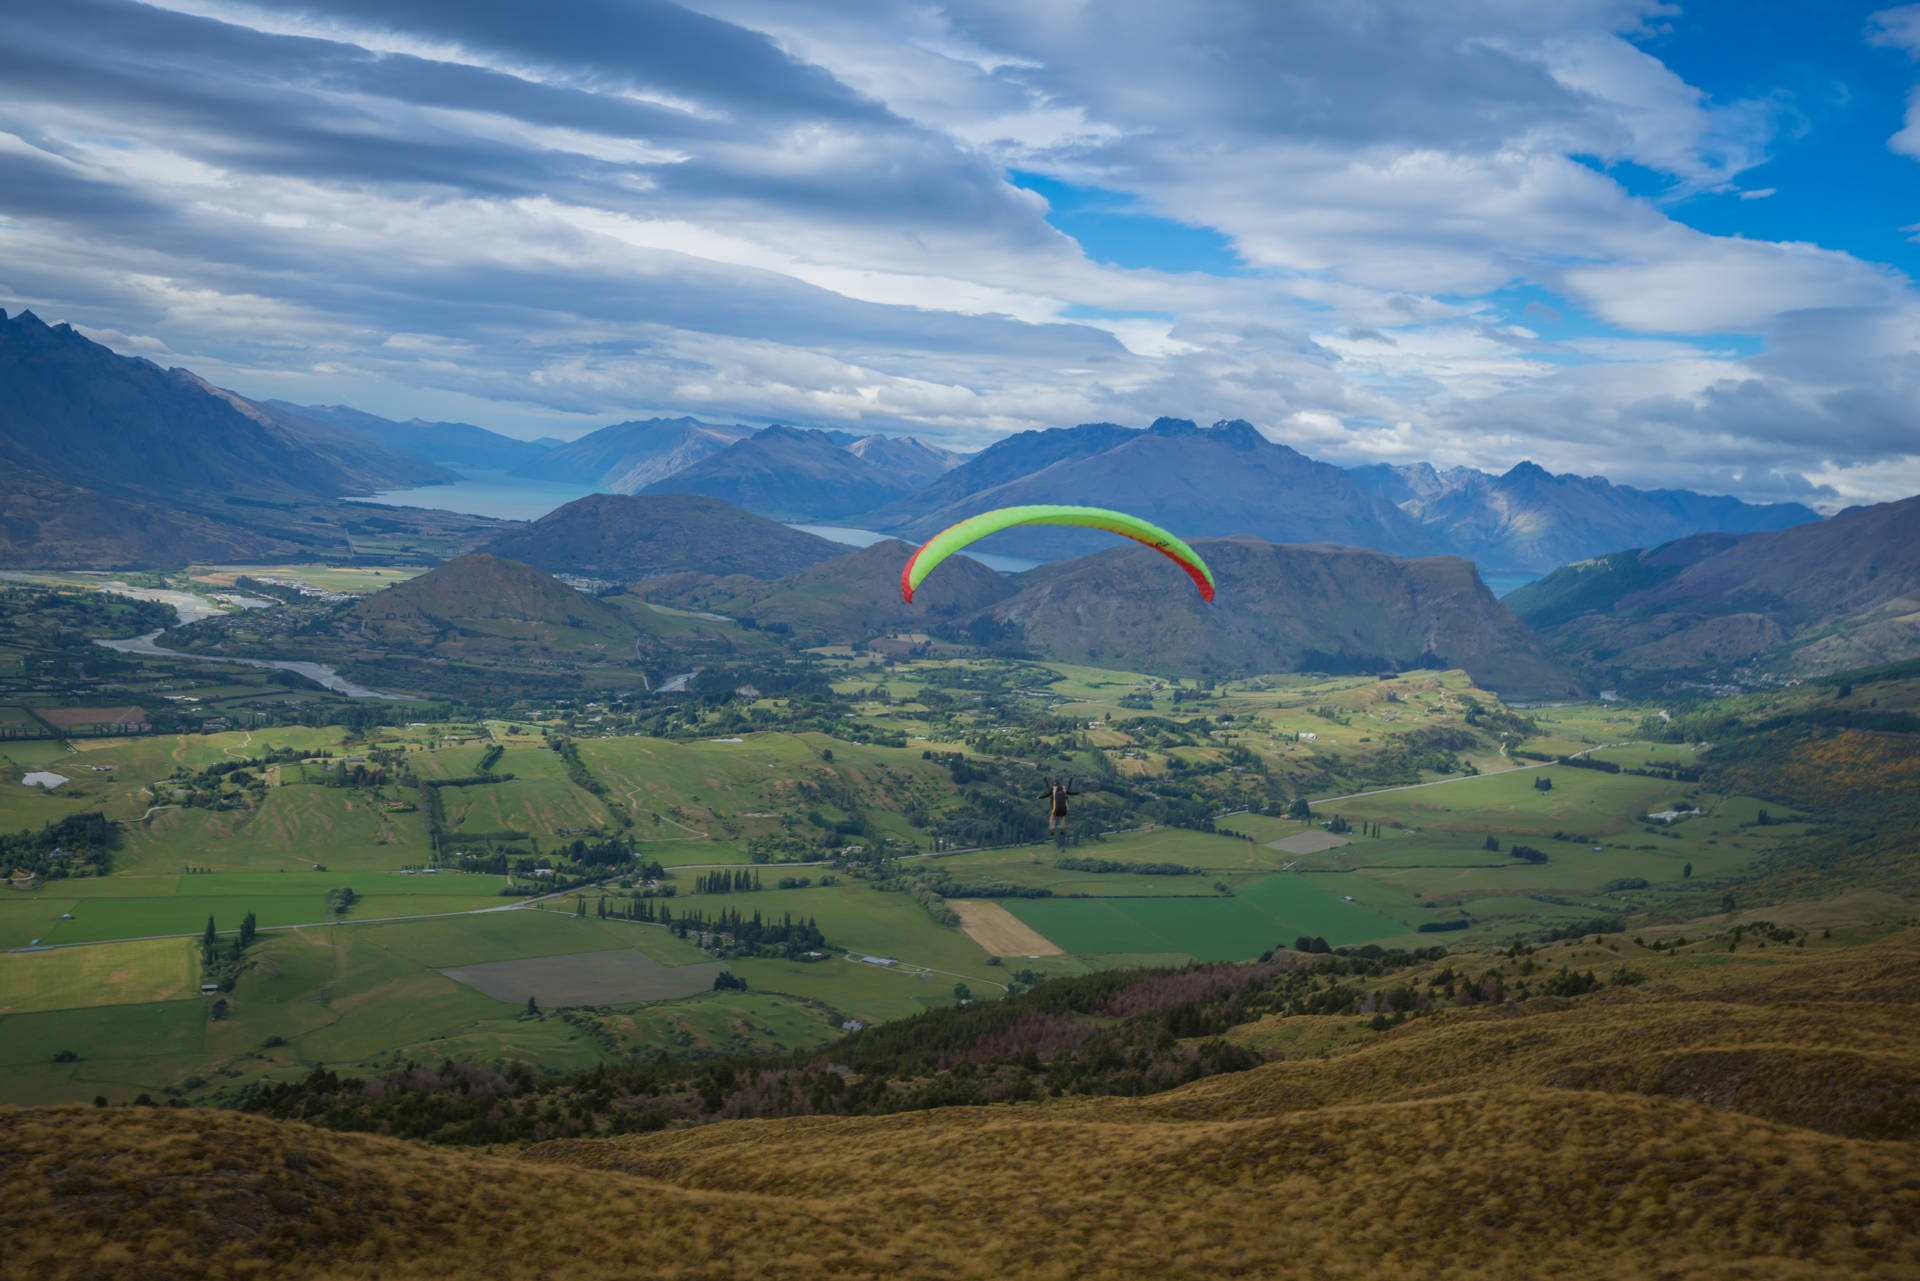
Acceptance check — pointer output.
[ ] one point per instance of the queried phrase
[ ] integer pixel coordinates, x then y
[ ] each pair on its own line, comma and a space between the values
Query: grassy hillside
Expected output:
1745, 1114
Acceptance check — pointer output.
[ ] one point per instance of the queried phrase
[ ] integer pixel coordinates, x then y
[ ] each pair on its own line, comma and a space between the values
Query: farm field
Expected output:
109, 974
1271, 910
855, 918
849, 989
138, 907
365, 996
362, 998
623, 976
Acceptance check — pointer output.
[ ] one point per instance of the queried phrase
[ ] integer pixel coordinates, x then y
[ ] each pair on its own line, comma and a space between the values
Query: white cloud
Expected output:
764, 211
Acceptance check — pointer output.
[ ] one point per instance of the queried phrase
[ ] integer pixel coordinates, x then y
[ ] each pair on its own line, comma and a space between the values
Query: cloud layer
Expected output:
545, 218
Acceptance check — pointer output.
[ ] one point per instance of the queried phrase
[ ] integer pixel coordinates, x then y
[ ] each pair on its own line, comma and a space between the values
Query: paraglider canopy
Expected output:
954, 537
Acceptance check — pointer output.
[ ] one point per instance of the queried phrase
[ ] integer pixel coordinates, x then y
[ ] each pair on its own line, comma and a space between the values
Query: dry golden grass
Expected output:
999, 931
1699, 1126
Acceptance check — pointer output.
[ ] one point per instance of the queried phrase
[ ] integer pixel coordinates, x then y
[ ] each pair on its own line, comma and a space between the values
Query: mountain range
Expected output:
1844, 592
625, 458
448, 444
1530, 520
110, 461
1200, 482
796, 473
1279, 607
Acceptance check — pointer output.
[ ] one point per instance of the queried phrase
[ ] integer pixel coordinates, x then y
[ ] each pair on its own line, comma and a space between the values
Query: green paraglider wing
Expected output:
954, 537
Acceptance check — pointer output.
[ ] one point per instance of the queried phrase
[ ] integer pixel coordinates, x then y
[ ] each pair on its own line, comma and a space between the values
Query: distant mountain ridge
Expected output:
112, 462
914, 461
74, 409
1844, 592
1531, 520
1199, 482
790, 473
625, 458
448, 444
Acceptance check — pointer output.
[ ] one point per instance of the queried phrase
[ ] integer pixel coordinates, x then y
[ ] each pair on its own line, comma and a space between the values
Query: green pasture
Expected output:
122, 1049
141, 907
34, 753
1582, 800
1044, 875
853, 990
551, 809
1270, 910
711, 1024
104, 974
523, 934
33, 807
294, 827
855, 918
354, 998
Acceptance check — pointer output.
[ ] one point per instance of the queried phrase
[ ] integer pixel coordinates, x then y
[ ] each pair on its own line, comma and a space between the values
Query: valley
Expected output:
582, 851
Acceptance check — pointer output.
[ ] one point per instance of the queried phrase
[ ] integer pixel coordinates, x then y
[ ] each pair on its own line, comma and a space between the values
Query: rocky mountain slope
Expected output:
1531, 520
75, 410
790, 473
1844, 592
1212, 482
915, 462
627, 457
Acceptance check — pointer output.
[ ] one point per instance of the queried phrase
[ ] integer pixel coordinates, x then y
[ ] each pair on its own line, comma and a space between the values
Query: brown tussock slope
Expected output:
1696, 1126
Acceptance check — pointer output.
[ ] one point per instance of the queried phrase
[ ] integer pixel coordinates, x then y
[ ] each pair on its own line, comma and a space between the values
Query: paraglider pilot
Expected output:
1058, 790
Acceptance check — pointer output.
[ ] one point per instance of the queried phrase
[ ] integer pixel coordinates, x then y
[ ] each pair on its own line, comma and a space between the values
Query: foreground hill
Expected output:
1281, 608
448, 604
623, 537
627, 457
1750, 1117
1815, 598
1214, 482
792, 473
1531, 520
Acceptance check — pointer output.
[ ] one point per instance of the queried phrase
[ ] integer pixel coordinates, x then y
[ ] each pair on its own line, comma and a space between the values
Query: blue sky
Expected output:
1669, 243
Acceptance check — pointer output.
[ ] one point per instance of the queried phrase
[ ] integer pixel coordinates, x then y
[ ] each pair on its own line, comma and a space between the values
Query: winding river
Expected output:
191, 609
